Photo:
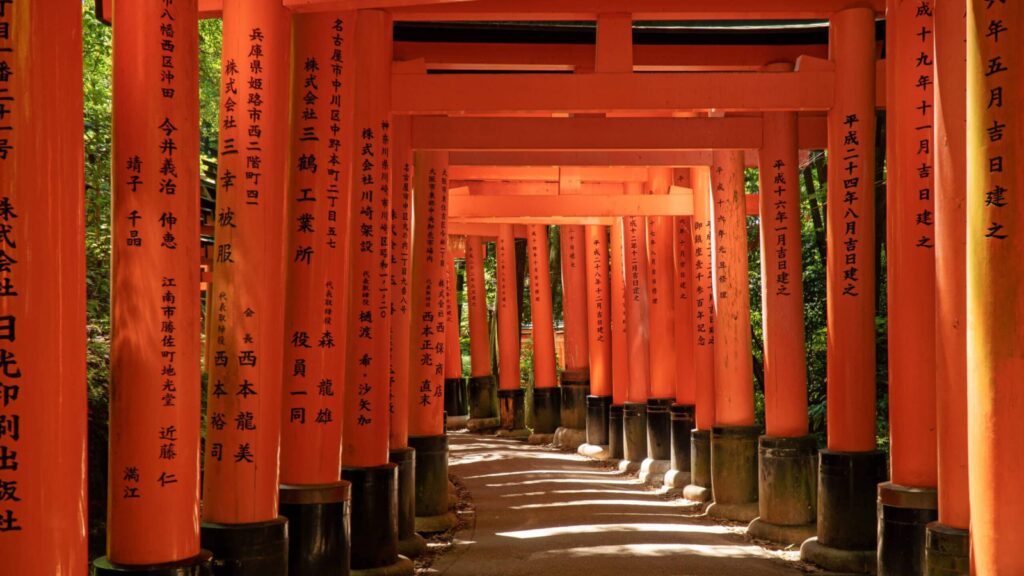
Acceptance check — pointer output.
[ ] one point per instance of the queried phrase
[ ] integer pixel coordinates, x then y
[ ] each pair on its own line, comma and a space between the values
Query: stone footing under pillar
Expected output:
481, 425
374, 516
634, 432
659, 429
616, 441
734, 473
318, 528
455, 422
947, 551
256, 549
903, 515
594, 451
699, 489
597, 419
653, 471
198, 566
787, 490
410, 544
547, 404
483, 399
575, 389
512, 407
570, 438
432, 511
682, 424
847, 516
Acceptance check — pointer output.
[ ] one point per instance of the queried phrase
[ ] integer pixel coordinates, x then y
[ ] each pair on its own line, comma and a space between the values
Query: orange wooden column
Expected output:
546, 396
620, 348
661, 292
482, 399
850, 469
686, 384
154, 358
240, 480
574, 301
947, 539
316, 269
401, 281
43, 411
600, 334
454, 385
634, 420
995, 240
510, 394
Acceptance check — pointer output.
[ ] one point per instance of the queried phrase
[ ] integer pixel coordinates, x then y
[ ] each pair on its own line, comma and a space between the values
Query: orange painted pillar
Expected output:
546, 395
510, 392
456, 407
703, 310
910, 258
661, 313
240, 474
850, 470
43, 427
600, 334
154, 358
683, 406
315, 336
576, 376
482, 393
786, 450
620, 348
634, 420
947, 540
995, 240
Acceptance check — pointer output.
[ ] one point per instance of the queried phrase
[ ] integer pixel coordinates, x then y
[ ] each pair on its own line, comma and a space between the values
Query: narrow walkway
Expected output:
542, 512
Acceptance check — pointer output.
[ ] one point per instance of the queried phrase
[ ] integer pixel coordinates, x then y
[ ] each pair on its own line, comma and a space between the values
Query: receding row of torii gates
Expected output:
331, 342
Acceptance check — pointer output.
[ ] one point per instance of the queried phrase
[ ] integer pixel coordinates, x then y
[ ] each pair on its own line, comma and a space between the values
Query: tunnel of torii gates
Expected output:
356, 166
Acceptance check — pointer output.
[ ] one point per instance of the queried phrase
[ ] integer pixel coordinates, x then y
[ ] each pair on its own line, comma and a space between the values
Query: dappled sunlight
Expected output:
612, 473
652, 550
609, 482
613, 502
612, 528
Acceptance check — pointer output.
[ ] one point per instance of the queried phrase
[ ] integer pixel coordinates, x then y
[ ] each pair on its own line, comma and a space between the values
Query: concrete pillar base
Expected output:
634, 431
451, 397
400, 567
682, 421
374, 516
570, 438
616, 440
431, 476
462, 396
653, 471
594, 451
575, 389
256, 549
597, 419
413, 546
659, 429
198, 566
318, 528
699, 489
405, 459
436, 524
517, 434
837, 559
676, 479
547, 409
455, 422
734, 473
903, 515
512, 407
947, 551
781, 534
483, 399
480, 425
540, 439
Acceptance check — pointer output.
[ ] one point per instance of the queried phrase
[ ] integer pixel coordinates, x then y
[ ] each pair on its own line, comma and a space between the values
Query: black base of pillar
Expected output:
374, 515
575, 389
699, 489
451, 396
318, 528
787, 490
682, 422
903, 515
597, 419
462, 396
257, 549
432, 513
847, 511
616, 441
512, 406
547, 404
947, 551
198, 566
659, 429
483, 399
634, 431
410, 544
734, 472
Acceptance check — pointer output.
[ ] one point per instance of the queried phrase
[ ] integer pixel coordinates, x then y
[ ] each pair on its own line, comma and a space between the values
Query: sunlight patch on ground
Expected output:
614, 502
649, 550
605, 528
610, 474
567, 481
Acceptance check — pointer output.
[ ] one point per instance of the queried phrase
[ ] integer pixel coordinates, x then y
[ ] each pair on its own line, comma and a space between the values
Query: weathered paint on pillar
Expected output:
599, 311
703, 301
950, 261
401, 278
508, 311
734, 386
620, 348
240, 475
634, 243
540, 307
686, 385
661, 291
995, 242
42, 292
574, 299
476, 292
782, 293
315, 330
851, 235
367, 409
910, 250
452, 353
154, 357
430, 293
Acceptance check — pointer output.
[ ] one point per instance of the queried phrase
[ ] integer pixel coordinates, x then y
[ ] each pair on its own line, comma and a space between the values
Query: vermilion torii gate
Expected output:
323, 448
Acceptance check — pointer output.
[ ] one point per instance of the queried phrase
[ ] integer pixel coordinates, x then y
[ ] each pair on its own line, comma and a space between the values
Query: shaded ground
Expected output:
533, 511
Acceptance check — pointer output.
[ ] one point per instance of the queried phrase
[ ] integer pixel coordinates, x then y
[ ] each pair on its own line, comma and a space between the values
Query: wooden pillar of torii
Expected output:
456, 403
511, 396
546, 395
575, 380
483, 401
